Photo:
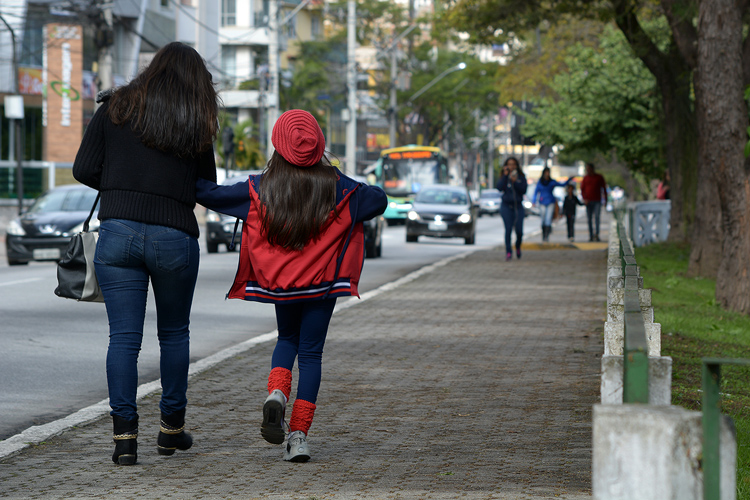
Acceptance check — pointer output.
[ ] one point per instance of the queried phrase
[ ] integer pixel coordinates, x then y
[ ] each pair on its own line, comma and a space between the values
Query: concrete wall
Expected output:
654, 453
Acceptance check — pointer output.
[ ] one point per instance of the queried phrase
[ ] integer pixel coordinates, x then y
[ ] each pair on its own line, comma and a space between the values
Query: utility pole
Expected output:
393, 115
104, 39
273, 71
491, 153
351, 83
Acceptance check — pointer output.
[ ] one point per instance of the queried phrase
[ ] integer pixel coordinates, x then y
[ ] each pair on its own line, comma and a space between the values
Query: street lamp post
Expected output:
457, 67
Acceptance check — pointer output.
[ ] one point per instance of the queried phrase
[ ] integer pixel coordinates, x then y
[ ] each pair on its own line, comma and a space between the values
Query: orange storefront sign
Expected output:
30, 81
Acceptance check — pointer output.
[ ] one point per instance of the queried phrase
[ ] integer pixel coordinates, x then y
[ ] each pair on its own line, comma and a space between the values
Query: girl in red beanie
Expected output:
302, 247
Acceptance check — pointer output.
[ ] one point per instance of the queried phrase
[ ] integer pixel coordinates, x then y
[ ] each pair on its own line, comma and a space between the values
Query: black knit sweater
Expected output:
136, 182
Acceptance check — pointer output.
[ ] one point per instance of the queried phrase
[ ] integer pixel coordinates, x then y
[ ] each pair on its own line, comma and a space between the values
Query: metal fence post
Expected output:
712, 424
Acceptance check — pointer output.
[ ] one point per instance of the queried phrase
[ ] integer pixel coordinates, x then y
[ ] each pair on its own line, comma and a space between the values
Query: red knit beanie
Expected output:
298, 138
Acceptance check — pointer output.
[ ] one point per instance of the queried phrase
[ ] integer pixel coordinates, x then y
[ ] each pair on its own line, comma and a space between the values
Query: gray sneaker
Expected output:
274, 428
296, 448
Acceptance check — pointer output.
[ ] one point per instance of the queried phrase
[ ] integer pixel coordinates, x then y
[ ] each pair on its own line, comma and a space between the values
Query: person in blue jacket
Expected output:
512, 184
302, 247
544, 197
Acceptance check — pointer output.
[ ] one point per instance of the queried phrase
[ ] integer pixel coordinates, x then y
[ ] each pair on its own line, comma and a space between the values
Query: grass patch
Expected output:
693, 326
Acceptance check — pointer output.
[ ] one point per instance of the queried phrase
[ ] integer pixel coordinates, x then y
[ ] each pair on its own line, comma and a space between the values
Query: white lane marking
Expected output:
39, 433
18, 282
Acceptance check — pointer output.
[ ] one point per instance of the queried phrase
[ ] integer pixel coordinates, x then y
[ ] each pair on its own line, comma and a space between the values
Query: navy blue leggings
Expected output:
302, 333
513, 219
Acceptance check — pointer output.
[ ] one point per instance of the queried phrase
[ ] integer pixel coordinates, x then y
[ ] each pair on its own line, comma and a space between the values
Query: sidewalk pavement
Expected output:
474, 380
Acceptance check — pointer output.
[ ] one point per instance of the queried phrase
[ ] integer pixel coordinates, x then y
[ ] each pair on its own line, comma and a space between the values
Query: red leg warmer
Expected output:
280, 378
302, 415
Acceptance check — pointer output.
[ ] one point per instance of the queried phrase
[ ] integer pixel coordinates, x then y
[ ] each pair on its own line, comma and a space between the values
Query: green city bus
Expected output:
402, 171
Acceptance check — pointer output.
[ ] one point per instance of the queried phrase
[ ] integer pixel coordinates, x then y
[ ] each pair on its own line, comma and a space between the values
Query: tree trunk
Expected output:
724, 120
672, 72
706, 237
681, 138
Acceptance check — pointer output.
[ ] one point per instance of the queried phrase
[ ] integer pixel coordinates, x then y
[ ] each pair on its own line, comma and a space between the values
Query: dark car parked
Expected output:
220, 227
44, 230
373, 231
442, 211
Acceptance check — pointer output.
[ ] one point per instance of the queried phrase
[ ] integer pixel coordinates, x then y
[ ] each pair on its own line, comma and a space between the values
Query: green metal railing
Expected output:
635, 349
711, 424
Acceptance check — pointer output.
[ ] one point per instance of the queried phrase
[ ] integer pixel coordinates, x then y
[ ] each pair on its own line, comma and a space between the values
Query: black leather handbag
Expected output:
76, 278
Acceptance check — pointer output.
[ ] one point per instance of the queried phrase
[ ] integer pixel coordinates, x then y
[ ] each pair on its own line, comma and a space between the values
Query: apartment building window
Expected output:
229, 64
165, 3
228, 12
316, 28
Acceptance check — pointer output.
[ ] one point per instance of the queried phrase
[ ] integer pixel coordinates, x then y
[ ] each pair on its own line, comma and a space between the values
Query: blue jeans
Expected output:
513, 219
593, 211
127, 255
547, 212
302, 333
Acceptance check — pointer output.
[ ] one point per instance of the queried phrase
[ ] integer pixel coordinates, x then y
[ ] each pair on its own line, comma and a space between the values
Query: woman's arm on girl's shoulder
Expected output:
371, 201
207, 165
89, 162
231, 200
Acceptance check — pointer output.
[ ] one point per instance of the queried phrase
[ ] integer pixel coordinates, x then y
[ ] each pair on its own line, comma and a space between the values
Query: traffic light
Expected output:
519, 110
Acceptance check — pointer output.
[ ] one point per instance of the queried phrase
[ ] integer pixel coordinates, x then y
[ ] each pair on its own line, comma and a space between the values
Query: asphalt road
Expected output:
52, 350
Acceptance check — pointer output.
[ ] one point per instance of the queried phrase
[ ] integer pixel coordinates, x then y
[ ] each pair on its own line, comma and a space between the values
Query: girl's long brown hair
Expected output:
172, 104
297, 202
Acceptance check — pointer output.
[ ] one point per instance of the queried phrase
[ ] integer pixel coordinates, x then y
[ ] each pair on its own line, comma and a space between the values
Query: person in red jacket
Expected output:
302, 247
593, 191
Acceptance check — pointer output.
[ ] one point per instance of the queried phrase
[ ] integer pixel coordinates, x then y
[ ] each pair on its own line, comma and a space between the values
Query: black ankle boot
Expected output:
125, 435
172, 435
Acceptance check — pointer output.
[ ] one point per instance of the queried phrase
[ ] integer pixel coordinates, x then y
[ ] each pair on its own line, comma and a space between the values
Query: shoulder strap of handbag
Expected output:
91, 214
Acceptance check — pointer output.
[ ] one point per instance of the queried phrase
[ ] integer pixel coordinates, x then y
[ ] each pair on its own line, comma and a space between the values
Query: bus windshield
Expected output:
407, 176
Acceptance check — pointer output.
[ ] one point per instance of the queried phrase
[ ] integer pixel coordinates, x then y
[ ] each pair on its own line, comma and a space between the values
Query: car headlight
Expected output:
412, 215
527, 204
15, 228
213, 217
464, 218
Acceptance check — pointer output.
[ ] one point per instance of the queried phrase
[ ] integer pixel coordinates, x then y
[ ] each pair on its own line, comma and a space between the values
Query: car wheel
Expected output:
370, 250
212, 247
412, 238
469, 240
379, 249
17, 262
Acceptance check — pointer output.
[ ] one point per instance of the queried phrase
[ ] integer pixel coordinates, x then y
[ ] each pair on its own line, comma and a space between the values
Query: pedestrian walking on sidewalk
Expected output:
512, 184
593, 192
544, 197
302, 247
570, 205
144, 150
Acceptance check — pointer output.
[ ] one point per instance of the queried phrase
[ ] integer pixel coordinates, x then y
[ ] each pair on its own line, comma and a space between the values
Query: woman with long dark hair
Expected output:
512, 184
302, 247
144, 150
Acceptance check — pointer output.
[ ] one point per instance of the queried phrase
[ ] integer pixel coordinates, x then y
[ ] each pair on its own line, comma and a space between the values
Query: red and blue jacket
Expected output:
328, 266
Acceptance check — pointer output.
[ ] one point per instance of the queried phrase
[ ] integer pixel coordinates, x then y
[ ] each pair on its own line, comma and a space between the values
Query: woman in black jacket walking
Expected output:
144, 150
512, 185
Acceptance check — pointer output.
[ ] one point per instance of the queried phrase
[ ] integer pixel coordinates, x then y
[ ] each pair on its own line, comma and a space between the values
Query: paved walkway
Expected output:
475, 381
